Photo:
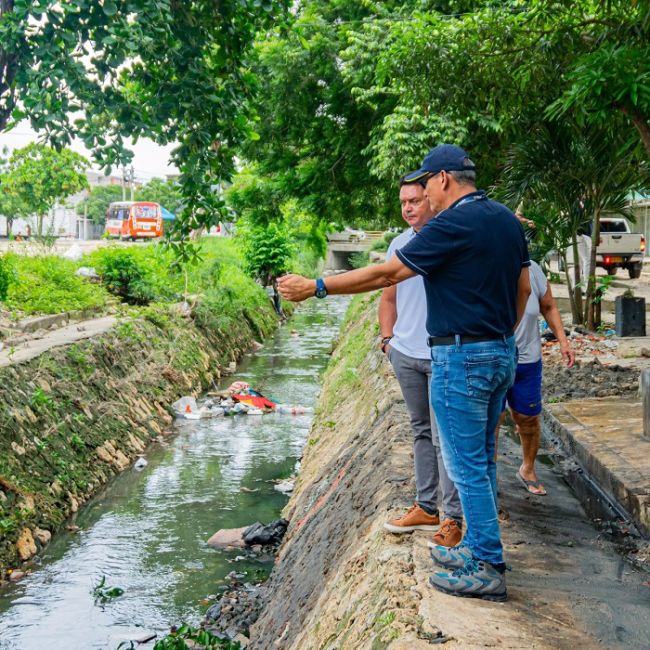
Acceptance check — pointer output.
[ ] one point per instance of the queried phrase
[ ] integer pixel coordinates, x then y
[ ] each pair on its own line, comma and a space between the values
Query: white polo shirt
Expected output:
410, 332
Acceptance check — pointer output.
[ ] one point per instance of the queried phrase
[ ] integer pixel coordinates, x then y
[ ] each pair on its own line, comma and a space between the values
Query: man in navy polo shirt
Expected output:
474, 261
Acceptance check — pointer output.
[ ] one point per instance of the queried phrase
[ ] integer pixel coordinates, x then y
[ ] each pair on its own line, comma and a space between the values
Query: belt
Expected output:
465, 338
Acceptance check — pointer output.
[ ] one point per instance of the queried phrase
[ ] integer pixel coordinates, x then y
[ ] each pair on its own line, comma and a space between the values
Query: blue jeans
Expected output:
468, 384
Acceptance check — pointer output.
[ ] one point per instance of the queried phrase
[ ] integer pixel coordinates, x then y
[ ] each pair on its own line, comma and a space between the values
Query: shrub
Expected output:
7, 276
359, 260
126, 276
48, 285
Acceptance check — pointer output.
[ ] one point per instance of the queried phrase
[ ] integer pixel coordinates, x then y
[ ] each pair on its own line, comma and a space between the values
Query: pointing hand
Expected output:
296, 288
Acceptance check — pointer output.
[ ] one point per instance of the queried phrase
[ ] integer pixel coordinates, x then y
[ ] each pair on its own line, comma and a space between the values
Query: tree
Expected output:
171, 70
40, 176
313, 134
10, 206
268, 253
571, 177
165, 192
97, 202
613, 74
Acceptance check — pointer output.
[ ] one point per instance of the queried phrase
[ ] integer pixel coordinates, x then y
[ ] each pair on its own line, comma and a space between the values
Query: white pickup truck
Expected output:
620, 247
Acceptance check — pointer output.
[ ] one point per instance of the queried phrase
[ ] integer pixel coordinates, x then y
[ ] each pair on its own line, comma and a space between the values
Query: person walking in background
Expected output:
474, 260
524, 397
402, 324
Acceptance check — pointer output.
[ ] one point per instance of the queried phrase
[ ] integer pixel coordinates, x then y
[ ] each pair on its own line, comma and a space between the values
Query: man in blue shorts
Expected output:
474, 261
524, 397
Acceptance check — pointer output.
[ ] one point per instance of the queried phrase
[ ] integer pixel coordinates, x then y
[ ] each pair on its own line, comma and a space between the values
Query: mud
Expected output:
588, 380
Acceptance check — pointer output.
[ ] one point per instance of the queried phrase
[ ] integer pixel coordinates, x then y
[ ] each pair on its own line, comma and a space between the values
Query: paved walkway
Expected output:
606, 437
63, 336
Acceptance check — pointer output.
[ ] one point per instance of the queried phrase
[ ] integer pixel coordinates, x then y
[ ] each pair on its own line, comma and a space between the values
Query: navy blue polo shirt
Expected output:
470, 257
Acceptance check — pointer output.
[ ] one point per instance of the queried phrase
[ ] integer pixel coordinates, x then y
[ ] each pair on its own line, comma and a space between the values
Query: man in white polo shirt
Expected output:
402, 323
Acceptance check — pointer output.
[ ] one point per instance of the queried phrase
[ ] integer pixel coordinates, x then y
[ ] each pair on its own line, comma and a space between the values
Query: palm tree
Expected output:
572, 176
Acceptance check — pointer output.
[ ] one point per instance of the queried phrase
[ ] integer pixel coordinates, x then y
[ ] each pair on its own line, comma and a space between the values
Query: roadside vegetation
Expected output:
130, 276
47, 285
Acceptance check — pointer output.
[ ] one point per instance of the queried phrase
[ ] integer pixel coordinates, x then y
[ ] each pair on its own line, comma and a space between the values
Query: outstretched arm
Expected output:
376, 276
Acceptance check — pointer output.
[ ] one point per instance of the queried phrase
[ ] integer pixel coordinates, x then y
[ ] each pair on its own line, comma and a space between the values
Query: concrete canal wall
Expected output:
77, 415
341, 582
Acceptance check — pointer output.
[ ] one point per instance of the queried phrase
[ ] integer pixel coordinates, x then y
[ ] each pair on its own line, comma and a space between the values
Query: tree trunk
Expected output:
591, 286
277, 301
8, 68
577, 285
575, 313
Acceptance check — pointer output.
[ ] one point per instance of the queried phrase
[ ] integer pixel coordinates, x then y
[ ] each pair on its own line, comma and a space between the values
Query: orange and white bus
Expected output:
134, 219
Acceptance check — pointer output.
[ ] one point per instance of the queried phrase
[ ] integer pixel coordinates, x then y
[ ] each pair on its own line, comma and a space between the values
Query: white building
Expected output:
63, 220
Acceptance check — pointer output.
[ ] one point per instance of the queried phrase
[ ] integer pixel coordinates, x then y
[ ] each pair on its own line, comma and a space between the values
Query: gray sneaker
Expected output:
450, 558
477, 579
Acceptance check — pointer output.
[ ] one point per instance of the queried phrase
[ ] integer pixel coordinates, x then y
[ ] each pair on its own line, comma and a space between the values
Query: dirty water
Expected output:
146, 533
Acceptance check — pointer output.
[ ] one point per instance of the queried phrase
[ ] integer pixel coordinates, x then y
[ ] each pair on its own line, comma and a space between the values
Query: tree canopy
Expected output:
38, 177
171, 70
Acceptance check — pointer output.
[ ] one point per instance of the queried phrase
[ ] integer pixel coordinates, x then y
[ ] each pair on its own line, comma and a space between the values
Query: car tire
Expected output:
635, 270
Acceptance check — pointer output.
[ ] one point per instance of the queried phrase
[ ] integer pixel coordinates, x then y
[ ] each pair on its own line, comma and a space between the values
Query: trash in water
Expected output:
186, 407
285, 409
285, 486
238, 399
140, 464
272, 533
253, 398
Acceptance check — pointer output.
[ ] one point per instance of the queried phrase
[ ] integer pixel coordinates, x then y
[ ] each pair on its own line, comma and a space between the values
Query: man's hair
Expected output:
422, 182
467, 177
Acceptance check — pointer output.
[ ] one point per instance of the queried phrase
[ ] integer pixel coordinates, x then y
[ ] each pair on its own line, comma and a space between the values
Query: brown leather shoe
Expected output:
414, 519
449, 534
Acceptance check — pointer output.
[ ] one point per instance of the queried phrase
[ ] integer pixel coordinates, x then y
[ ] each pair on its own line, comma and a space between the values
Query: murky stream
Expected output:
146, 533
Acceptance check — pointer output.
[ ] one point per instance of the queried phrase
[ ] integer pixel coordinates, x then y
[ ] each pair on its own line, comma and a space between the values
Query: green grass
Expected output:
47, 285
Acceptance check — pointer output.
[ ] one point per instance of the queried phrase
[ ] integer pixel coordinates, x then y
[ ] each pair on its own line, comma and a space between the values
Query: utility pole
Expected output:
132, 179
123, 183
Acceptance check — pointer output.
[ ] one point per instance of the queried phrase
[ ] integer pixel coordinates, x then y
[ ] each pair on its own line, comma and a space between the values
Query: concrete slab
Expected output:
606, 436
62, 336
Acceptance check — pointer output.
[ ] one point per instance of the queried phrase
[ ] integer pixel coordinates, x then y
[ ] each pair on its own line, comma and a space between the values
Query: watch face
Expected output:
321, 293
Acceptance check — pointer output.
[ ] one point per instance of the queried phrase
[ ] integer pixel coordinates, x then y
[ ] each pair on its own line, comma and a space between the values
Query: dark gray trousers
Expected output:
431, 479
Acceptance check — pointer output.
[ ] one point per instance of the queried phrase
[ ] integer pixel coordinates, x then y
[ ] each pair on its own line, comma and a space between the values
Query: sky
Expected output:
150, 160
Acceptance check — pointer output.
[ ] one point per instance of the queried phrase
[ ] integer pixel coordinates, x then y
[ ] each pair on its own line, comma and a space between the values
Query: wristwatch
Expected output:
321, 289
384, 342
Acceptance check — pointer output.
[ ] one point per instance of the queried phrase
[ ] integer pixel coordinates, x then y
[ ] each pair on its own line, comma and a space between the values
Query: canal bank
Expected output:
74, 416
340, 581
146, 532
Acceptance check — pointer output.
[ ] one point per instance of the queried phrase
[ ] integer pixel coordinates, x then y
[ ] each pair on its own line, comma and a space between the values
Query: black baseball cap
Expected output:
444, 157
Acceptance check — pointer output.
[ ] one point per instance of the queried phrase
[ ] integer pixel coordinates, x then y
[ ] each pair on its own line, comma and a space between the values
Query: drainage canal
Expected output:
146, 533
